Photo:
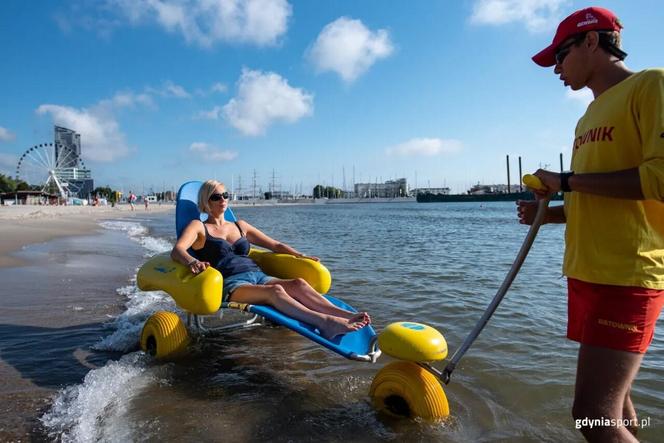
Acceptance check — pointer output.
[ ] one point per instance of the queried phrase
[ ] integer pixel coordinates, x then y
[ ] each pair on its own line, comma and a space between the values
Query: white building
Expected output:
444, 191
389, 189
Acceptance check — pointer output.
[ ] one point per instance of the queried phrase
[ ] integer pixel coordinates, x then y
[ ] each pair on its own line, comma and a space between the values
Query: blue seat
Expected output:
355, 345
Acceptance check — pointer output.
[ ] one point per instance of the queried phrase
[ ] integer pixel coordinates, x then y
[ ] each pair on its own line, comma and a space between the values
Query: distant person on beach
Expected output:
131, 199
614, 211
146, 202
225, 246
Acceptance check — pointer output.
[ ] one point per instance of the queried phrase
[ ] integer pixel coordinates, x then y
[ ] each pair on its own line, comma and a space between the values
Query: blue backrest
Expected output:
186, 207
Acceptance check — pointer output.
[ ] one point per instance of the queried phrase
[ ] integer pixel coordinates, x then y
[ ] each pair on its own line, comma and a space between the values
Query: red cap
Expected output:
588, 19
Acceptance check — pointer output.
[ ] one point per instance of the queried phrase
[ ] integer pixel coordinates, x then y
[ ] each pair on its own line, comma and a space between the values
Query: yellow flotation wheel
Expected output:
405, 389
164, 336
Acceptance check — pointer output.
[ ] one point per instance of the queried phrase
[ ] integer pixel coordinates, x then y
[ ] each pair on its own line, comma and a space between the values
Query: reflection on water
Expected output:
438, 264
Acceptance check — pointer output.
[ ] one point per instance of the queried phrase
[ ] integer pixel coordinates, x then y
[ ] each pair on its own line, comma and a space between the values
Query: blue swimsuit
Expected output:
232, 260
227, 258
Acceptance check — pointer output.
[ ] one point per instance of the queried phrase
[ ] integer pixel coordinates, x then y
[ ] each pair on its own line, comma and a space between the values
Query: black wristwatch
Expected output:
564, 181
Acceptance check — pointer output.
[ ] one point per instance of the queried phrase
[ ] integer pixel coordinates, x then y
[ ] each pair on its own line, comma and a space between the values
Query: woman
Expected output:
225, 246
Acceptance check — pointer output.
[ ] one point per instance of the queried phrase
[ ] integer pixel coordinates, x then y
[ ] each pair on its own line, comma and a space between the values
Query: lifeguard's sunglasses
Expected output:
606, 40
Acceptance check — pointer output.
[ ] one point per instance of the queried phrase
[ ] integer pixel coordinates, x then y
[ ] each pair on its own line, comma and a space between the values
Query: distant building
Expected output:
435, 191
69, 165
492, 189
67, 147
389, 189
28, 198
281, 195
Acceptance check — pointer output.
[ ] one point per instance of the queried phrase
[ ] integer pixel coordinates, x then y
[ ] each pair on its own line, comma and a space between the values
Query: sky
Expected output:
297, 93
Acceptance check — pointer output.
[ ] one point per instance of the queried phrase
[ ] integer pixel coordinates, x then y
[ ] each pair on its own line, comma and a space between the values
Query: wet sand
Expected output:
54, 305
27, 224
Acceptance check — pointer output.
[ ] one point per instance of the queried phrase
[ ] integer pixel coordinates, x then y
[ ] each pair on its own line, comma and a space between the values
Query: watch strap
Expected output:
564, 181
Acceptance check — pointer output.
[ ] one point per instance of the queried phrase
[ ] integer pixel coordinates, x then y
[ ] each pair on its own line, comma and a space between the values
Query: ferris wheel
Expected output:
53, 167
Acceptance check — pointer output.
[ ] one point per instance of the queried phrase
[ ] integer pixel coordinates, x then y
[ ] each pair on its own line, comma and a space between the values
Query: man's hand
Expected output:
526, 210
550, 180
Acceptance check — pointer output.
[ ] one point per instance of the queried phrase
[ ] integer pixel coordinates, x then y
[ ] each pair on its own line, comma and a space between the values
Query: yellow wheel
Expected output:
403, 388
164, 335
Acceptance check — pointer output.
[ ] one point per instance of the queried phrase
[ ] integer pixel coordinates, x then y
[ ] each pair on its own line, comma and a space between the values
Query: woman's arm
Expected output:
189, 237
257, 237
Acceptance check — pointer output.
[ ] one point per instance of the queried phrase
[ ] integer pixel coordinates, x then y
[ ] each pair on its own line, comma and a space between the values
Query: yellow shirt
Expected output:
609, 240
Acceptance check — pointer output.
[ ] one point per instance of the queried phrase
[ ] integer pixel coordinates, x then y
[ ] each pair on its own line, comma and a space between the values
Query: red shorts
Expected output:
615, 317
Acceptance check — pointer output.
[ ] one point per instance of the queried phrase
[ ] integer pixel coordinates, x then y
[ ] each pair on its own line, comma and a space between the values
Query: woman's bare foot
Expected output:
359, 316
334, 326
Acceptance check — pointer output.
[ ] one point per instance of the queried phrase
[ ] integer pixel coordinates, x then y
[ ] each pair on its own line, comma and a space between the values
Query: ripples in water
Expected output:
438, 264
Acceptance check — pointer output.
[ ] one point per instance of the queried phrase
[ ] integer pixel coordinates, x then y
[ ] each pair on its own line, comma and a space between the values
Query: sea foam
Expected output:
95, 410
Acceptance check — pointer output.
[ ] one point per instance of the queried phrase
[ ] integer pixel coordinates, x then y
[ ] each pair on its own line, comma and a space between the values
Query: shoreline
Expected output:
25, 225
56, 305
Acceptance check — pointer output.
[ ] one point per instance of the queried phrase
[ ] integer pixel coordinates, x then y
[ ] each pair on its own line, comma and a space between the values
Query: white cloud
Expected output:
211, 153
206, 22
173, 90
216, 88
424, 147
169, 89
8, 164
212, 114
349, 48
101, 138
128, 99
583, 96
536, 15
219, 87
264, 98
6, 135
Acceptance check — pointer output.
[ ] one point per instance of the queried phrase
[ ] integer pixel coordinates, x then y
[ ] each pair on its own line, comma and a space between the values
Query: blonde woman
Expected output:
225, 246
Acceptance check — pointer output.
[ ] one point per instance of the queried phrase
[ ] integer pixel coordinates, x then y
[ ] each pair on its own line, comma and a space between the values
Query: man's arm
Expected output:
555, 214
624, 184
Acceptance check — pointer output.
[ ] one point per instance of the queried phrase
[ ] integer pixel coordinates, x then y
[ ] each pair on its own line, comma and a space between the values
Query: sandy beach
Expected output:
55, 303
23, 225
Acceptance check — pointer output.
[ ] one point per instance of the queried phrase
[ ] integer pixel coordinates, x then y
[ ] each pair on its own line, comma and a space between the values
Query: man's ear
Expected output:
592, 41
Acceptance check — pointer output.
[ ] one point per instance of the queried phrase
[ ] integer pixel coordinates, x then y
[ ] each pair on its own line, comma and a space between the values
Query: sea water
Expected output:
438, 264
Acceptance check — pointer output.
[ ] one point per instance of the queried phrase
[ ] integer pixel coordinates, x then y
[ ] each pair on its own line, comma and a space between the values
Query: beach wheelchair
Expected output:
406, 387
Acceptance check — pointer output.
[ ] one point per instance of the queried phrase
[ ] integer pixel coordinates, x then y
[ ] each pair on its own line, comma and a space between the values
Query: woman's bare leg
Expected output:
301, 291
275, 295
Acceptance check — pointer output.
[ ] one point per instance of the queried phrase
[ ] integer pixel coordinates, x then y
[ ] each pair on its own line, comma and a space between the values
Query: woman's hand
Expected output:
308, 257
197, 266
526, 210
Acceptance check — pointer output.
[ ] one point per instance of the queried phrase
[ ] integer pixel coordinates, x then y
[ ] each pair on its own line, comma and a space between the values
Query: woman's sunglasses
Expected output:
216, 197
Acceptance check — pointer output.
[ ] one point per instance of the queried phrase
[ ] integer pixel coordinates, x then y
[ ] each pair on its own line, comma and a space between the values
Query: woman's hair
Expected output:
207, 189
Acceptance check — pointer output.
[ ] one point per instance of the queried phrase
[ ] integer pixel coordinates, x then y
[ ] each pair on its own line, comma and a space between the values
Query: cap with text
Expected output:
588, 19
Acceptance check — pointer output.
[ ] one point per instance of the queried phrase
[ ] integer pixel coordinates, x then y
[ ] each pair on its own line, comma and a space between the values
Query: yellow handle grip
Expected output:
533, 182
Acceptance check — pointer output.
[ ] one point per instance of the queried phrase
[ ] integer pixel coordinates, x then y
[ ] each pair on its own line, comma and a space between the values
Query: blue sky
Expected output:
164, 91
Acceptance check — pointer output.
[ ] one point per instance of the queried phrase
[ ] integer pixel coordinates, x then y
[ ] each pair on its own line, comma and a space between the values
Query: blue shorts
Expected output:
242, 279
